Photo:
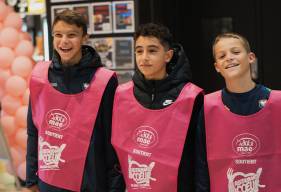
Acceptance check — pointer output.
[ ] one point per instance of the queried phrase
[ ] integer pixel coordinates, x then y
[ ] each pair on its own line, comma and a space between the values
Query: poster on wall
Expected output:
104, 47
58, 9
123, 16
124, 52
102, 18
84, 10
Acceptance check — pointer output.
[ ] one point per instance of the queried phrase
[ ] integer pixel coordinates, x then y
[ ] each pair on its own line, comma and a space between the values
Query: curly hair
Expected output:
158, 31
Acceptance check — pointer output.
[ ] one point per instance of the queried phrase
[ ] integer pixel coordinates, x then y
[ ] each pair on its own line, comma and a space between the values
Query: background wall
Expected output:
196, 24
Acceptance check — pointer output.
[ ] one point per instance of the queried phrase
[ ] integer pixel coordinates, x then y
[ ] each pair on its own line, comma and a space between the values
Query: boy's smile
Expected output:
68, 39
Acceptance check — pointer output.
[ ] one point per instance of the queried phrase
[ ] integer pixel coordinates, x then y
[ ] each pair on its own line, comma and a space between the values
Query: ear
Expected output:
169, 54
216, 67
85, 38
252, 57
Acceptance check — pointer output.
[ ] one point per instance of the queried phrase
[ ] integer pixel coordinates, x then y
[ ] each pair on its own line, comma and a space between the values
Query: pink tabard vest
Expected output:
244, 152
149, 143
65, 124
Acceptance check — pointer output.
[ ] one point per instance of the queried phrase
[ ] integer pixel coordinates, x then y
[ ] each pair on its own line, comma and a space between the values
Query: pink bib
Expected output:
65, 125
149, 143
244, 152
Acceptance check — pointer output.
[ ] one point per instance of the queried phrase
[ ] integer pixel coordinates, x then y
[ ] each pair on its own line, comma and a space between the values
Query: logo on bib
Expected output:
57, 119
140, 173
244, 182
50, 155
245, 144
145, 136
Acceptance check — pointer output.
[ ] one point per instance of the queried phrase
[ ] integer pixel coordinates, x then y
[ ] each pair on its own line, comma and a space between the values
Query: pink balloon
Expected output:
13, 20
21, 170
17, 155
24, 48
3, 11
9, 37
7, 56
1, 26
22, 66
21, 137
8, 125
25, 36
4, 75
10, 104
15, 86
25, 97
21, 116
1, 93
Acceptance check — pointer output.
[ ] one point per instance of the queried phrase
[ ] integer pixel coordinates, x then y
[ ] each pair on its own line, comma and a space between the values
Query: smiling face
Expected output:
232, 60
67, 41
152, 57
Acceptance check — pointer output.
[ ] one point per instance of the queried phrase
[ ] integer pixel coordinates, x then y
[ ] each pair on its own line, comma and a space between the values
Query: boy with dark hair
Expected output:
69, 117
242, 123
155, 116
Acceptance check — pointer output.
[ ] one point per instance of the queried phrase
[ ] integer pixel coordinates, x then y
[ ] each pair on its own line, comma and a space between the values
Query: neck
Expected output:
160, 77
240, 86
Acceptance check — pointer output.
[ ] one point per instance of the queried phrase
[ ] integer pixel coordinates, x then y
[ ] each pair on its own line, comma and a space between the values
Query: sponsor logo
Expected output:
242, 182
52, 134
140, 173
262, 103
145, 136
246, 161
50, 155
245, 144
142, 153
167, 102
57, 119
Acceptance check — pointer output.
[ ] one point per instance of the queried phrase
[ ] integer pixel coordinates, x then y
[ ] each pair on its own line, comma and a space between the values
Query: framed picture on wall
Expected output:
124, 52
123, 16
58, 9
124, 75
101, 18
104, 47
84, 9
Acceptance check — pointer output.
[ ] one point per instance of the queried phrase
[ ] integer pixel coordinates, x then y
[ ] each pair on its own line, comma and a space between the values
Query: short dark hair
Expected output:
158, 31
73, 18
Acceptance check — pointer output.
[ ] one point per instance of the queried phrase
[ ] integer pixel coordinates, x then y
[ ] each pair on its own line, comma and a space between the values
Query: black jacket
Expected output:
154, 94
101, 172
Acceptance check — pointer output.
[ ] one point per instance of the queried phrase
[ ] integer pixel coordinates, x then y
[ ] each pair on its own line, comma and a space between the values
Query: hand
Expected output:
33, 188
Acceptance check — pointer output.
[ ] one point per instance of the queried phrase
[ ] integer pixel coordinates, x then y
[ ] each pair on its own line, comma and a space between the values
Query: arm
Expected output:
115, 179
32, 151
201, 172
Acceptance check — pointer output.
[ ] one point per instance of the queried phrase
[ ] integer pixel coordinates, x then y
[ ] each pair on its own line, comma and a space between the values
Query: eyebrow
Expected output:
66, 32
150, 46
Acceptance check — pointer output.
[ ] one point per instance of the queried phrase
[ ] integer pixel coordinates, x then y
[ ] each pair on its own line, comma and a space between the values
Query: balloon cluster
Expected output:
16, 50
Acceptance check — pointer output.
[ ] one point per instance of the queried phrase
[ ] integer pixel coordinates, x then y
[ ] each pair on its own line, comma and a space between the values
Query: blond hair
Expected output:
244, 41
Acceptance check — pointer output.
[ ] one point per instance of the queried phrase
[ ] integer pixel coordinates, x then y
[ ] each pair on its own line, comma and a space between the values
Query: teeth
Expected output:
231, 65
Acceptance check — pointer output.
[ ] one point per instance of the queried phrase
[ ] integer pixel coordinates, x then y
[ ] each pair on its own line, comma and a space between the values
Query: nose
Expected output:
145, 55
229, 57
64, 39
